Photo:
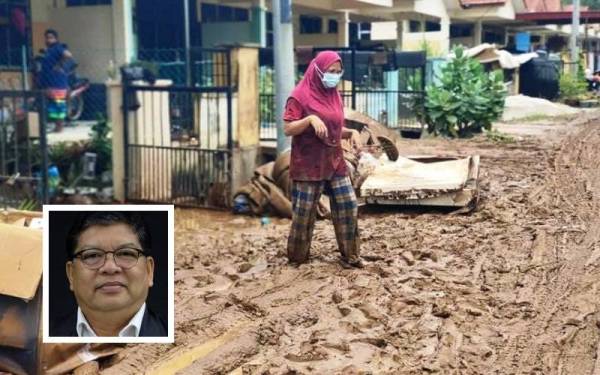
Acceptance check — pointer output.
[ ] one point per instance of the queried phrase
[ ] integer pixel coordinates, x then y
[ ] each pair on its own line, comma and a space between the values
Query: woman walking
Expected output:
314, 117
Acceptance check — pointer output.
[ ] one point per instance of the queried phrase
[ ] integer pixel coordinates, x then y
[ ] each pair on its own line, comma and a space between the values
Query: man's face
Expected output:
50, 40
110, 288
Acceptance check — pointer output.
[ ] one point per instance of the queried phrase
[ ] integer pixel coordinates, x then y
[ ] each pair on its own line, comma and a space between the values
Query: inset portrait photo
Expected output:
108, 274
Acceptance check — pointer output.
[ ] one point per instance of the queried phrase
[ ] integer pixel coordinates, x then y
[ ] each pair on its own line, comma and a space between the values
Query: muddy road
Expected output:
512, 288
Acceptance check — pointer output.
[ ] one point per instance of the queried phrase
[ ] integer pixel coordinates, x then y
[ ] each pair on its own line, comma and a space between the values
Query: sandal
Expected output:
346, 264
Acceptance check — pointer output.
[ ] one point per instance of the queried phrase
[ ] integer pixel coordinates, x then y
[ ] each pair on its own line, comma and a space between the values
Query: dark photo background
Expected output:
61, 299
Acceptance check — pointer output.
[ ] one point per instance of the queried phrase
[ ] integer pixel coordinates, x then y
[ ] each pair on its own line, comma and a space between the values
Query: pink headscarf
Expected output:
318, 100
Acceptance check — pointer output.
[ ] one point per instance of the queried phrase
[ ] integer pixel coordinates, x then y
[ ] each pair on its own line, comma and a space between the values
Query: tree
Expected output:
593, 4
466, 101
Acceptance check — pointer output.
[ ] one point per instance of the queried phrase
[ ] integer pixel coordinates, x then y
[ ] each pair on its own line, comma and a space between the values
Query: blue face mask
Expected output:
330, 80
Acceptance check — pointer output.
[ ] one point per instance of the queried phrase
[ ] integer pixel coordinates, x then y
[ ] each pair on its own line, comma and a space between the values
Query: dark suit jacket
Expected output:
152, 326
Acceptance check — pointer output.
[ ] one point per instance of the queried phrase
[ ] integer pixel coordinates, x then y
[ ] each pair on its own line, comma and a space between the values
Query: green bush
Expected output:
68, 156
101, 144
571, 87
466, 101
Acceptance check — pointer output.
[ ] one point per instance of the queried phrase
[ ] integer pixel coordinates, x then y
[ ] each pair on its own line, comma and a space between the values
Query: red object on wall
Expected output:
19, 20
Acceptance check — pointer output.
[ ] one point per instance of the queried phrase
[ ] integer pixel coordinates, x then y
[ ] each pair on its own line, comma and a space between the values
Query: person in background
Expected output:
314, 117
54, 78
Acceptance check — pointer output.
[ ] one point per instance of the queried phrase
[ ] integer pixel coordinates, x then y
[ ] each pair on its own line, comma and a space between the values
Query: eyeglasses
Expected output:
126, 257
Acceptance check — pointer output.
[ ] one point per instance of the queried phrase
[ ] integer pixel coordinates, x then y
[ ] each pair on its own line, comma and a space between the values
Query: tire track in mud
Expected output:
566, 330
508, 289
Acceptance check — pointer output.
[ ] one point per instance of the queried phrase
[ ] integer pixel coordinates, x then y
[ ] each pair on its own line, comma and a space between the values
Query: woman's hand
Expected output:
319, 126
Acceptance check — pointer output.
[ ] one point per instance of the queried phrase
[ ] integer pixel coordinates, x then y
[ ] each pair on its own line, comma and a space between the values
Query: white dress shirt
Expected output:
132, 329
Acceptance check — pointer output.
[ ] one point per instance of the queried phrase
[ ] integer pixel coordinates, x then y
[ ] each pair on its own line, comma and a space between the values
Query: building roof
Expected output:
543, 5
558, 18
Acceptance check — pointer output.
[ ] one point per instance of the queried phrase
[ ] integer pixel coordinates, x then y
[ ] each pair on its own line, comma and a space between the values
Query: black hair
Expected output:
87, 219
51, 32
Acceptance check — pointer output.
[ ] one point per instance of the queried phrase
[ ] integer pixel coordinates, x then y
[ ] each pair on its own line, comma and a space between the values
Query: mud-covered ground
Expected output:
511, 288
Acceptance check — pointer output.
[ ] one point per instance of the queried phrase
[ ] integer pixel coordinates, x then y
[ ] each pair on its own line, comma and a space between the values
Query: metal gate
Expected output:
23, 149
386, 85
178, 139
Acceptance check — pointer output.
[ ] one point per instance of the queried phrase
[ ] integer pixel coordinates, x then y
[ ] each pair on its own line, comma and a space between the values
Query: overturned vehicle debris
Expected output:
379, 174
423, 181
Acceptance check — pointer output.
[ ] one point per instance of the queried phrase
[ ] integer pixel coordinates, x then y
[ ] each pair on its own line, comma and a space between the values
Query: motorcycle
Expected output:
77, 85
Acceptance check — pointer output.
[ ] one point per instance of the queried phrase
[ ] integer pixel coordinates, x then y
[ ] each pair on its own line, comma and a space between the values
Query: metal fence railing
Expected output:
207, 65
386, 85
266, 92
97, 65
23, 149
179, 138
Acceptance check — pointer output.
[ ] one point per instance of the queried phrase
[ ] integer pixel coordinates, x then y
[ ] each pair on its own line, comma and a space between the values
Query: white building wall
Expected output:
90, 39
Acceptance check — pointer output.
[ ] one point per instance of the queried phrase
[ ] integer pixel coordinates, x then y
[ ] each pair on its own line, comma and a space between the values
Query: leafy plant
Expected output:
150, 65
430, 49
66, 156
101, 144
466, 101
28, 205
572, 87
496, 136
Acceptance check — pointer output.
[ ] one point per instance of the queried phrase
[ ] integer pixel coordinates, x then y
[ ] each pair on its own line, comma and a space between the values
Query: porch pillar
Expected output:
343, 29
399, 34
259, 22
478, 33
123, 37
115, 115
246, 121
445, 35
543, 39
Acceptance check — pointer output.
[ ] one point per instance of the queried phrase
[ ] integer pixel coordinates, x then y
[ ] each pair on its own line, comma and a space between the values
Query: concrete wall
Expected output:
245, 62
39, 22
90, 38
468, 41
324, 39
208, 111
227, 33
437, 42
384, 30
317, 40
95, 34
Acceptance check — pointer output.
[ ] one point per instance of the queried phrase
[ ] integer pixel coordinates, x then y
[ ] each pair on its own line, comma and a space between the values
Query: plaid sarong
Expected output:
344, 214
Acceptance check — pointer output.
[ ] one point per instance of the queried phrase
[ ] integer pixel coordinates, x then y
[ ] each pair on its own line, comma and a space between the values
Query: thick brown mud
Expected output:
512, 288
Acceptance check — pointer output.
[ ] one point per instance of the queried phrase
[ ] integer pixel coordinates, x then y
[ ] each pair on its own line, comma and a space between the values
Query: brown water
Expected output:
190, 219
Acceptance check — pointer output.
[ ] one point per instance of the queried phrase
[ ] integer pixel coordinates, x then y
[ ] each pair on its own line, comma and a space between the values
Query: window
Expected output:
414, 26
223, 13
14, 31
492, 37
78, 3
461, 31
269, 29
432, 26
310, 25
332, 27
364, 31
